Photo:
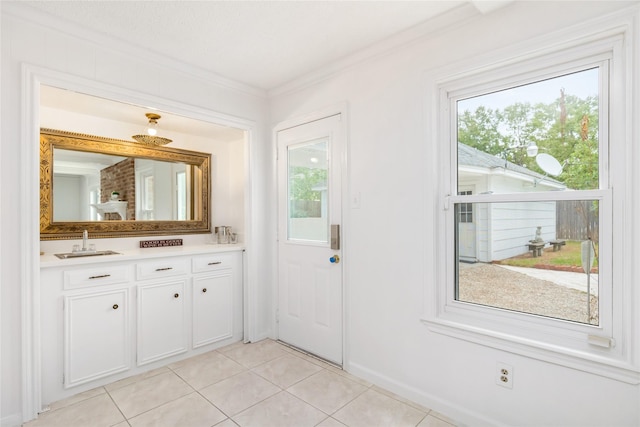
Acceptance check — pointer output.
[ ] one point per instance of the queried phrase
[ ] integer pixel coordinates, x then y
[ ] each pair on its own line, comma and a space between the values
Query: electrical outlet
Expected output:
504, 375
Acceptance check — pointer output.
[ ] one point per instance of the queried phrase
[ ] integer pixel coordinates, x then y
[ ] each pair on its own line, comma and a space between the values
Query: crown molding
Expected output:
452, 18
487, 6
26, 13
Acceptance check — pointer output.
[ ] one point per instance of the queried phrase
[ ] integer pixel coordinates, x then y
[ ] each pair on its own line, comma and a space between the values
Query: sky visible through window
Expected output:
581, 84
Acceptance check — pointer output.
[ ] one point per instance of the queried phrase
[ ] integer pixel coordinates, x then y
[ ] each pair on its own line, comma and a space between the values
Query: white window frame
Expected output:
610, 348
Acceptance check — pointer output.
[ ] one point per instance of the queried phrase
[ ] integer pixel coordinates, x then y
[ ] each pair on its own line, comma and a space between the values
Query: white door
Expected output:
309, 270
466, 228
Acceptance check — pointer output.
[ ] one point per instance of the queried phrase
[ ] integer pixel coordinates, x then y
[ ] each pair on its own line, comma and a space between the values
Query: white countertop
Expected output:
49, 260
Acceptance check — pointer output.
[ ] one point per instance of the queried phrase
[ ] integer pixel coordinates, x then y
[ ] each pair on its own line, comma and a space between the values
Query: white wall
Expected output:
67, 189
62, 49
391, 163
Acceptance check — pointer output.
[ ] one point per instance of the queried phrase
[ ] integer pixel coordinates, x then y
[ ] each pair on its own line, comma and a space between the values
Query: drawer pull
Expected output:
204, 289
115, 306
215, 263
100, 276
176, 295
164, 268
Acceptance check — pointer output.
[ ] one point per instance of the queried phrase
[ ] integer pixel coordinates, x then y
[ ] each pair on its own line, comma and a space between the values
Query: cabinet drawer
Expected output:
165, 267
211, 262
95, 276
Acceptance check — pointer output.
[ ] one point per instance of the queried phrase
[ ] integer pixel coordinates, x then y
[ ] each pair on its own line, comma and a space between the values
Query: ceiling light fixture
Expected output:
150, 137
152, 127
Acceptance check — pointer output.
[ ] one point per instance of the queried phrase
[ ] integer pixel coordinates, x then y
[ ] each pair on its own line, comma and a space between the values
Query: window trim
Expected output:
558, 341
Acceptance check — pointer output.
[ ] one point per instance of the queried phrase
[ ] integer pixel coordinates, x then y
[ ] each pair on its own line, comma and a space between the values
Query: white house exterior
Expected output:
500, 230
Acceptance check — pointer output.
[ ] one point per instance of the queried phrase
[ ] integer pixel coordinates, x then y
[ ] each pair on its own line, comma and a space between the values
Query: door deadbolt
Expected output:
335, 237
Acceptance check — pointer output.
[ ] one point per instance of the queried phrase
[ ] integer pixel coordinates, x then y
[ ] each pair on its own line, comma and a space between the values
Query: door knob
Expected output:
334, 259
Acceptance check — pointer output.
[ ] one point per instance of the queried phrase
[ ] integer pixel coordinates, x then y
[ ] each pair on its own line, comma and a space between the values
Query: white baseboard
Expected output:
14, 420
462, 416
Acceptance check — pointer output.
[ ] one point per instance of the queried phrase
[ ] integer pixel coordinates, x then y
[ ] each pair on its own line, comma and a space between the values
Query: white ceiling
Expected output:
264, 44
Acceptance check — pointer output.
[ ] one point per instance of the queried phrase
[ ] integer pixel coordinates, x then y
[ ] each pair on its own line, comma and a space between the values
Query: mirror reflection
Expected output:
90, 186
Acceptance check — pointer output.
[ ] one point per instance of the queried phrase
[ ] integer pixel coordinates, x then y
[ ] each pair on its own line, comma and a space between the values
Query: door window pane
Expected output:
308, 191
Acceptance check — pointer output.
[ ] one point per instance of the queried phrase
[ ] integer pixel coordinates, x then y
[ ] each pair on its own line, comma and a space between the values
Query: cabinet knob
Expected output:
204, 289
115, 306
176, 295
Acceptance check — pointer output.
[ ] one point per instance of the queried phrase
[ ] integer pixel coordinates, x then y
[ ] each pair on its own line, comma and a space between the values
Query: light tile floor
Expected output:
263, 384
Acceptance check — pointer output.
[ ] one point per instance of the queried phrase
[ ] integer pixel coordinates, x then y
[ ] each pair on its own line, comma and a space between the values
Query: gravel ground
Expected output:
494, 286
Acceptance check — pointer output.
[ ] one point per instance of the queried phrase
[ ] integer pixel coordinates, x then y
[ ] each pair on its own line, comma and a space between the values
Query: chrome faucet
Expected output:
85, 237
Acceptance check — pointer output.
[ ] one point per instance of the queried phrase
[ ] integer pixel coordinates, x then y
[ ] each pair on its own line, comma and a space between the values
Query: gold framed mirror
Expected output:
116, 188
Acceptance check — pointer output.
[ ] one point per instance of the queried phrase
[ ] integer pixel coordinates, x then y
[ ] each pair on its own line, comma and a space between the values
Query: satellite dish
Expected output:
549, 164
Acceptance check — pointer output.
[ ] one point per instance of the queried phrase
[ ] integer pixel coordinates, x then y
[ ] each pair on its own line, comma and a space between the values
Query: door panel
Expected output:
212, 299
161, 321
293, 280
310, 285
96, 337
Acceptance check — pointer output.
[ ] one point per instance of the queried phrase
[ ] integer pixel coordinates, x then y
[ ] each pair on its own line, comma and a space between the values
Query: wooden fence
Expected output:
577, 220
306, 209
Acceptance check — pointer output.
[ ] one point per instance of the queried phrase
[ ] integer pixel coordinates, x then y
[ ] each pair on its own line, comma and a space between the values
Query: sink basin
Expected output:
85, 254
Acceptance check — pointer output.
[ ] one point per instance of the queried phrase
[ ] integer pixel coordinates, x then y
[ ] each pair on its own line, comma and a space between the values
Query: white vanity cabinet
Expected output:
212, 295
162, 326
96, 336
212, 307
104, 319
161, 322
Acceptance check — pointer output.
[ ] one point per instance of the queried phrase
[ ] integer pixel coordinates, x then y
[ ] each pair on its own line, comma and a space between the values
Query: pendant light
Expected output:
150, 138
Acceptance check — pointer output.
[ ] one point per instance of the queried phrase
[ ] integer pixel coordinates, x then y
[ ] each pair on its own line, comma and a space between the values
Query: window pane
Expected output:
308, 164
537, 137
531, 257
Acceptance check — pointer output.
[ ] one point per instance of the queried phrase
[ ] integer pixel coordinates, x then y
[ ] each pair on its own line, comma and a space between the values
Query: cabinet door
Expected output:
212, 308
96, 339
161, 321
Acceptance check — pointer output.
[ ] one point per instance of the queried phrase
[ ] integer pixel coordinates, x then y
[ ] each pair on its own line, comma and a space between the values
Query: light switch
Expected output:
355, 200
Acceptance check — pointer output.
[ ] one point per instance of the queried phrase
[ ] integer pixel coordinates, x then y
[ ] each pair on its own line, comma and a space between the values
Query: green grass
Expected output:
569, 256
